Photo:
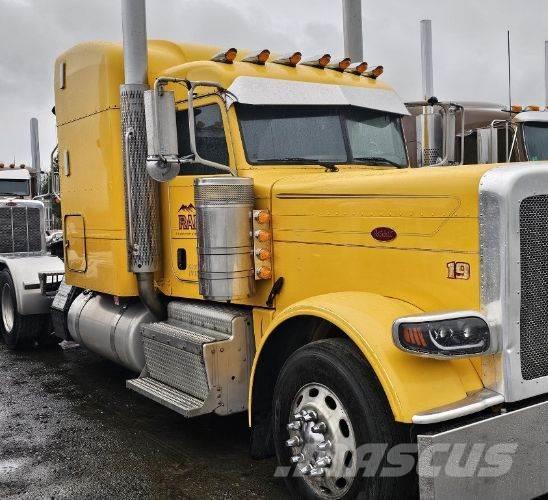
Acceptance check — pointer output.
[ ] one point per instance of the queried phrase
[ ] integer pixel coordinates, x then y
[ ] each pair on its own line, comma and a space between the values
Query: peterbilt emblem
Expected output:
187, 220
384, 234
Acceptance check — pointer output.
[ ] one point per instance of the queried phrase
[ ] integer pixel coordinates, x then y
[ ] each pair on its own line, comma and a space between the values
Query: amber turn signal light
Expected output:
262, 236
264, 273
263, 254
263, 217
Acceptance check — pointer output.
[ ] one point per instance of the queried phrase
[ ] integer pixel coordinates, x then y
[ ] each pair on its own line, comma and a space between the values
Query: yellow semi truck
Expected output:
242, 230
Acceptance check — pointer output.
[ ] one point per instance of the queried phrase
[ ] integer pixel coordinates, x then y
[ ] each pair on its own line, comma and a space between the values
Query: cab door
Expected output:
213, 143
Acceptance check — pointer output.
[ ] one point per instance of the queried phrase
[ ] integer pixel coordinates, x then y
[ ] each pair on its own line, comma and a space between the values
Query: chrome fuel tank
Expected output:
110, 330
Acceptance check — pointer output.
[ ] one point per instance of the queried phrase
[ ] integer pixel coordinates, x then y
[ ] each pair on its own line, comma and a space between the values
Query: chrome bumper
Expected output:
502, 457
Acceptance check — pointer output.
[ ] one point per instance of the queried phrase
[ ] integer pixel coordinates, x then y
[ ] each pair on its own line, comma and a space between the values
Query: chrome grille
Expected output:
20, 229
533, 222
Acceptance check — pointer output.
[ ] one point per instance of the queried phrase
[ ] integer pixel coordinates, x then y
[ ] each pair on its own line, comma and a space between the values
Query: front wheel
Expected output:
329, 410
18, 331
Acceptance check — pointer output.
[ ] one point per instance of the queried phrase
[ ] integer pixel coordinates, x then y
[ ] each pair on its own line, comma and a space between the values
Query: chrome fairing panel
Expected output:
501, 193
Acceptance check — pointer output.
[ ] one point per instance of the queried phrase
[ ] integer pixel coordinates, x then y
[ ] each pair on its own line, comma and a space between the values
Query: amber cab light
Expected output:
264, 273
263, 254
262, 236
263, 217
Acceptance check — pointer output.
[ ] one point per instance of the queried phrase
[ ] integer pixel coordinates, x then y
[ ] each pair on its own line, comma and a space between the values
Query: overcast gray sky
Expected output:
469, 45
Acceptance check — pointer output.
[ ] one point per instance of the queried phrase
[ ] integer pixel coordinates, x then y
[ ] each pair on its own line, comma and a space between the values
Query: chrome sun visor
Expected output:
269, 91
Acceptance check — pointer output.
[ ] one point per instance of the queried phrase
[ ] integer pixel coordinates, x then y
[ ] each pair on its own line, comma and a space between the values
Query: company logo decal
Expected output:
187, 219
187, 208
384, 234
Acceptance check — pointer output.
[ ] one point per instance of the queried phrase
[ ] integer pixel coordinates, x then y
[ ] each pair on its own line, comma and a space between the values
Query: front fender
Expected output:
412, 384
24, 274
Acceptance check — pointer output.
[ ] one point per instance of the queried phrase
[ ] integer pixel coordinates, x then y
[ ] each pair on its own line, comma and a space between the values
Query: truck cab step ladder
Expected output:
198, 361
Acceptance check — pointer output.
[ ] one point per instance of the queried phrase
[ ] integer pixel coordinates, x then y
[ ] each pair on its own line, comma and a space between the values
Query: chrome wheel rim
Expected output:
8, 311
322, 441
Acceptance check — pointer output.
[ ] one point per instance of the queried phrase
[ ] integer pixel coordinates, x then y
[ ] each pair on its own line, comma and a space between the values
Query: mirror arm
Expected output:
190, 86
192, 128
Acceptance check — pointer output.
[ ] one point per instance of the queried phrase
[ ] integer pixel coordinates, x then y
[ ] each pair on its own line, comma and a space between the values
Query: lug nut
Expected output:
324, 461
311, 416
305, 471
295, 459
319, 428
294, 441
325, 445
317, 472
294, 426
299, 416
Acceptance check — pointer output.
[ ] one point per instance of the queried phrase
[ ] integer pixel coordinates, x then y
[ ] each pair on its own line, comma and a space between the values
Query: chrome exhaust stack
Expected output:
141, 191
353, 29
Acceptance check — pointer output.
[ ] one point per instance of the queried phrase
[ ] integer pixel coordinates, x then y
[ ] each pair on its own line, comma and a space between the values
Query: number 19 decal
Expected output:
458, 270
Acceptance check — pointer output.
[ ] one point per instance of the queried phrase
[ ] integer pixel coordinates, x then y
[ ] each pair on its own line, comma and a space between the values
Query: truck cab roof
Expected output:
15, 173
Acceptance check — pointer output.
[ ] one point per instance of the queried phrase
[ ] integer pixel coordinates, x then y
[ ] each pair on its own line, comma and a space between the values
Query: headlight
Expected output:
444, 335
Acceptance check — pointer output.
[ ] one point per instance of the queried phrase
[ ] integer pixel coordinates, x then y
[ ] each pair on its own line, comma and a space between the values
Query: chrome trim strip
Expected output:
473, 403
442, 316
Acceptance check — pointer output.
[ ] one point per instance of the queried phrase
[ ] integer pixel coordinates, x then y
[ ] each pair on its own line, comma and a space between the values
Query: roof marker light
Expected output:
340, 64
357, 68
226, 57
317, 61
375, 72
291, 59
258, 58
516, 108
532, 108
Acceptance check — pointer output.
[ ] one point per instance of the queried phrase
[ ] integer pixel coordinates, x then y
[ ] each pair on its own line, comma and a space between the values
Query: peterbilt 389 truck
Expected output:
457, 133
243, 232
24, 254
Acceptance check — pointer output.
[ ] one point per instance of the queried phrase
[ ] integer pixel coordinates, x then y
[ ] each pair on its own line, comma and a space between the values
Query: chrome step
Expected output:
201, 354
176, 400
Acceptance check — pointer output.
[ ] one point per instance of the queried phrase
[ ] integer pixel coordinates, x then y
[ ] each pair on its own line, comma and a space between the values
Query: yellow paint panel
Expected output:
75, 243
412, 384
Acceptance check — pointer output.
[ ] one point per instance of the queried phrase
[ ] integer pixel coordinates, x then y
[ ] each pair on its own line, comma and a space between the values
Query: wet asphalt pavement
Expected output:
70, 429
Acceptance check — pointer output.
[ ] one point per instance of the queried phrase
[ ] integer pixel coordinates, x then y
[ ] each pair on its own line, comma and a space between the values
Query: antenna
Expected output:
426, 59
509, 75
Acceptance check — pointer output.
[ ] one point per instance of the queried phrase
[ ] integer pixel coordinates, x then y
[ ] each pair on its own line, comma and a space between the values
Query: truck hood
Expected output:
428, 208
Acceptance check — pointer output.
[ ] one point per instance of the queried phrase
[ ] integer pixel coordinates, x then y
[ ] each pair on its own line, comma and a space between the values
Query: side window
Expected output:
210, 139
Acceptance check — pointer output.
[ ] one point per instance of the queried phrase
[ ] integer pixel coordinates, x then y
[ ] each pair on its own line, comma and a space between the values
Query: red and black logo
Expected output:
384, 234
187, 220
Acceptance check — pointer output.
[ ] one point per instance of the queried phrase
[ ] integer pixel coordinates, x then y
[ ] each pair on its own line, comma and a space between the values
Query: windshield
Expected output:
14, 187
536, 140
321, 134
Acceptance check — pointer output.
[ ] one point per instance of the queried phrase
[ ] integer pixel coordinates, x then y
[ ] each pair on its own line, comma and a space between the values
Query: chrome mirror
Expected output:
161, 124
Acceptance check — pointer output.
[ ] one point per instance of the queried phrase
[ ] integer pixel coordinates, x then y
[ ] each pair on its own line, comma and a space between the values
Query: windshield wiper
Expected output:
311, 161
378, 160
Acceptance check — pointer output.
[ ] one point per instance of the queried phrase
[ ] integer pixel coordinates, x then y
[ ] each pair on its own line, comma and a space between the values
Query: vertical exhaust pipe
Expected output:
35, 154
546, 73
353, 29
142, 193
426, 59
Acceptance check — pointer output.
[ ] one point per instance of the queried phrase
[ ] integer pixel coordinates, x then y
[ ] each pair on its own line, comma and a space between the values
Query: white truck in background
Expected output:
25, 298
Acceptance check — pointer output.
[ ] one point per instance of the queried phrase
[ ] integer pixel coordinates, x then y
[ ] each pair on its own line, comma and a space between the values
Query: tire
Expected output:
335, 369
18, 331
